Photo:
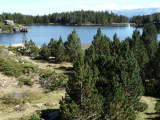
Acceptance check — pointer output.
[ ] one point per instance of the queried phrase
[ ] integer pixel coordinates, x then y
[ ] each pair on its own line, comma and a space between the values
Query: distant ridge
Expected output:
134, 12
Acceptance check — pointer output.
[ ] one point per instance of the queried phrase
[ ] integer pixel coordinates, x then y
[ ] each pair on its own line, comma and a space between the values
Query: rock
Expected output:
28, 104
54, 115
16, 94
16, 60
10, 53
16, 29
39, 105
24, 29
8, 22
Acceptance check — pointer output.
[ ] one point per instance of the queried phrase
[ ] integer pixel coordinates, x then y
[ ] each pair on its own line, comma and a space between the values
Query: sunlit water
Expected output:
43, 33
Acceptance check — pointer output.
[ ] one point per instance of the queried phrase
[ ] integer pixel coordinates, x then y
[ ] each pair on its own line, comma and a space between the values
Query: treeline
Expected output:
76, 17
109, 79
145, 19
61, 51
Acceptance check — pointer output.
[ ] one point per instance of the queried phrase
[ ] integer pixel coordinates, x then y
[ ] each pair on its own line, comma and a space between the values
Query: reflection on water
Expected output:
43, 33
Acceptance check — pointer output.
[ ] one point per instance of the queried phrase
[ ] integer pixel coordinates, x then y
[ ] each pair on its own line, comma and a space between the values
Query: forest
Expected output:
109, 78
145, 19
76, 17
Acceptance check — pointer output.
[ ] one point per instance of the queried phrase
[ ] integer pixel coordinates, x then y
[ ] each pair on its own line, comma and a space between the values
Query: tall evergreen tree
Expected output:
149, 37
60, 55
82, 100
45, 52
72, 46
52, 45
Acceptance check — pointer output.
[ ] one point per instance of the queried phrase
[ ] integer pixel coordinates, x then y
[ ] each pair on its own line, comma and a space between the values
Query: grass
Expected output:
150, 112
49, 100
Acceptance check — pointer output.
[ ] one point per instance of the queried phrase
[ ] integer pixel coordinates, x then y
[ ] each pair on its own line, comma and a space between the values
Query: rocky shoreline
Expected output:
9, 27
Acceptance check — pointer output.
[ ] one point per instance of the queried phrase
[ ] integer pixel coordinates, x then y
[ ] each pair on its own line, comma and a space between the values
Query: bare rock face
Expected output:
9, 22
16, 29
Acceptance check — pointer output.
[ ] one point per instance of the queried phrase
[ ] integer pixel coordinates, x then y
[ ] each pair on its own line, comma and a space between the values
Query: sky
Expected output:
42, 7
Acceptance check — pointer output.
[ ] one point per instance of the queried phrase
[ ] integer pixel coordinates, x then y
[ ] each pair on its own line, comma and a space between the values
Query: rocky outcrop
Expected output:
10, 27
8, 22
20, 29
24, 29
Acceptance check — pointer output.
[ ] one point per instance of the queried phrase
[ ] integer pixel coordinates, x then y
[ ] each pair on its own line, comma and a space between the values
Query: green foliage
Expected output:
25, 81
141, 107
157, 107
45, 52
149, 37
51, 81
82, 100
145, 19
53, 47
118, 73
34, 117
72, 46
60, 55
16, 69
24, 97
76, 17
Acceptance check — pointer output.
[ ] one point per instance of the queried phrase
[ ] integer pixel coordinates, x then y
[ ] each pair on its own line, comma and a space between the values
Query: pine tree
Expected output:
149, 37
52, 45
139, 49
82, 100
115, 45
72, 46
45, 52
121, 85
60, 55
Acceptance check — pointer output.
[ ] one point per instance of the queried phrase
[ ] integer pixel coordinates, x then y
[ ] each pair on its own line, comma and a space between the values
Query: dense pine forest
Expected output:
76, 17
154, 18
109, 78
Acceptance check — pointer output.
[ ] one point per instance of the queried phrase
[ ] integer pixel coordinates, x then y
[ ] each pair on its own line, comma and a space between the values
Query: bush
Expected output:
25, 81
157, 107
16, 69
19, 98
51, 81
141, 107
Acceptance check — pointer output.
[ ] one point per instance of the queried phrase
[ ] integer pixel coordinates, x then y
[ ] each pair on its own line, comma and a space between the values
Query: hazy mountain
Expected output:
140, 11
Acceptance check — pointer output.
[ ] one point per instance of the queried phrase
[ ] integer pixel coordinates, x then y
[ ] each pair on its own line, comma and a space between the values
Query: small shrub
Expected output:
16, 69
51, 81
157, 107
25, 81
141, 107
19, 108
24, 97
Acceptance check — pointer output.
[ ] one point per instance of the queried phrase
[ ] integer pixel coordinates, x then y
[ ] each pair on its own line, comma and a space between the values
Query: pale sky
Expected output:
41, 7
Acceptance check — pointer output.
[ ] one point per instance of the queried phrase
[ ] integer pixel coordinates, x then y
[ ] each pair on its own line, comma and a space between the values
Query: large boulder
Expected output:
24, 29
8, 22
16, 29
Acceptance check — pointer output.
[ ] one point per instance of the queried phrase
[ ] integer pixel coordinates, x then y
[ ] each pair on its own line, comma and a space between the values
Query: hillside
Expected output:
23, 100
134, 12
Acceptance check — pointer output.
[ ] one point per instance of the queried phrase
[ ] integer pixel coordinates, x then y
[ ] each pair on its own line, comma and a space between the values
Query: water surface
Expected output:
43, 33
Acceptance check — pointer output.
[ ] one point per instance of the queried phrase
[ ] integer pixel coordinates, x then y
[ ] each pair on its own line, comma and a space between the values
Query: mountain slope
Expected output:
132, 12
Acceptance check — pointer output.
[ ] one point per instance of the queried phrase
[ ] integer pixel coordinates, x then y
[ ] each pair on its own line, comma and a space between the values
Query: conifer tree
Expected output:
121, 85
60, 51
149, 37
139, 49
82, 100
115, 45
52, 45
45, 52
72, 46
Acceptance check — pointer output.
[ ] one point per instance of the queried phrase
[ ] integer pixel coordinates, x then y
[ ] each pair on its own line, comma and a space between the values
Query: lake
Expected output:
43, 33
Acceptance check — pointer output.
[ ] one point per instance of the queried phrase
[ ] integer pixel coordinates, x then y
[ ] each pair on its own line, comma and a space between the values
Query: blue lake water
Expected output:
43, 33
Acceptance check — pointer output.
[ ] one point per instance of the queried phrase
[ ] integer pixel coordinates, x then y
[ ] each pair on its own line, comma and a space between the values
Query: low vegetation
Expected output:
107, 81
